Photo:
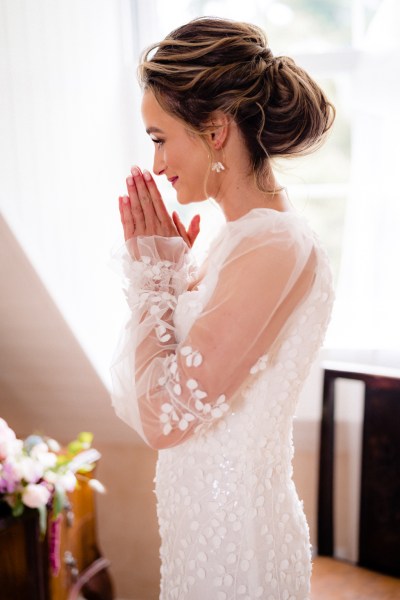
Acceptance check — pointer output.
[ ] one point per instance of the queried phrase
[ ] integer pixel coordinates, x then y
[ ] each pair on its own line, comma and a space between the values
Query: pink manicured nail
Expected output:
130, 180
125, 199
135, 171
146, 175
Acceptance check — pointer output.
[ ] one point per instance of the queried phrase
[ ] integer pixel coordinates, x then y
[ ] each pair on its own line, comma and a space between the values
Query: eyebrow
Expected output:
154, 130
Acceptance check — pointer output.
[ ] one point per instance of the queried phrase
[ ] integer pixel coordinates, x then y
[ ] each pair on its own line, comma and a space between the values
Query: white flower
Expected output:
53, 445
97, 486
66, 481
28, 469
41, 453
35, 495
7, 440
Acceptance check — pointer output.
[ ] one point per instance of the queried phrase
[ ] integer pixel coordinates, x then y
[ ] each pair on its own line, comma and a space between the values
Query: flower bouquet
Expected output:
37, 473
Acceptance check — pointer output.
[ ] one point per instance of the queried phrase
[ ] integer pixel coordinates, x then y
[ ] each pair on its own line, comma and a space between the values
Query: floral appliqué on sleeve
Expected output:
187, 400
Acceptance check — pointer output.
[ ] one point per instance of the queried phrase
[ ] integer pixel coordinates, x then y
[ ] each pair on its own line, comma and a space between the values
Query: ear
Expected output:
218, 125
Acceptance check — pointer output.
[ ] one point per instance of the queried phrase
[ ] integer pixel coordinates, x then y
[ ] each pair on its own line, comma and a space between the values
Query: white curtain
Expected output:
366, 322
69, 130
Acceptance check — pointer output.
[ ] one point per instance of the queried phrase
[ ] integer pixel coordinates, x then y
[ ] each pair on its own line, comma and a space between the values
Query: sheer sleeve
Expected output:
167, 389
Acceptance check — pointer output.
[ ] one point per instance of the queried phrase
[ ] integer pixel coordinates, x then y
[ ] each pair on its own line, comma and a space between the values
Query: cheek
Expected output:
200, 164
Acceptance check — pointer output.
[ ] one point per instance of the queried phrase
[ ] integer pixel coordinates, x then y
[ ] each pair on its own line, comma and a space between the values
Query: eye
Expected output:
157, 141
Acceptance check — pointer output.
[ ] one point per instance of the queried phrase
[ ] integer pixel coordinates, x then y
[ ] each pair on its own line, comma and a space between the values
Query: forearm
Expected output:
156, 271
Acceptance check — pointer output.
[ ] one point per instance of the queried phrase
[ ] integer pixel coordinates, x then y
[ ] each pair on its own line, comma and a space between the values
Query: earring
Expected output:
217, 167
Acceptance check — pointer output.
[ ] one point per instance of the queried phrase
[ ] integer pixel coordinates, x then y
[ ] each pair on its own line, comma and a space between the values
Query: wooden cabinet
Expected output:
379, 510
22, 562
25, 570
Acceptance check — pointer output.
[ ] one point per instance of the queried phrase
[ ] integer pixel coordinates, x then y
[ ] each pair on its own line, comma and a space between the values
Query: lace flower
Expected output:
178, 413
260, 365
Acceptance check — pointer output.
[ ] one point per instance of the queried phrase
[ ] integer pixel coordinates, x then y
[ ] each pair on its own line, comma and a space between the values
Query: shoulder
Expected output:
262, 230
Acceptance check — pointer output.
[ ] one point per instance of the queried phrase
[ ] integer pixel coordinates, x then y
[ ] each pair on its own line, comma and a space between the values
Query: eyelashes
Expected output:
157, 141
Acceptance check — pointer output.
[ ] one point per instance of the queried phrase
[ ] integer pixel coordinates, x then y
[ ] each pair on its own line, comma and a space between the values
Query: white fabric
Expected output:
211, 376
365, 324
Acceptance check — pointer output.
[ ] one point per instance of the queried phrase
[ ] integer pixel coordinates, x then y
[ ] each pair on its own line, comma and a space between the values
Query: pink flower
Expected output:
9, 479
35, 495
54, 545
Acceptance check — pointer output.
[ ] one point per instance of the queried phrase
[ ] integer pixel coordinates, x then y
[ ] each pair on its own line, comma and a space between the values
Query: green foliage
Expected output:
86, 438
42, 520
18, 507
58, 501
82, 442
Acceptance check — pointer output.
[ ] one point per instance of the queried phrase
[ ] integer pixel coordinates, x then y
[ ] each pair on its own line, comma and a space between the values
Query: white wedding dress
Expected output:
211, 377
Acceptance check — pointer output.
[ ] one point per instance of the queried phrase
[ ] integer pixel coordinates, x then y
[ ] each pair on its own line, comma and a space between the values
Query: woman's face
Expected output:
178, 154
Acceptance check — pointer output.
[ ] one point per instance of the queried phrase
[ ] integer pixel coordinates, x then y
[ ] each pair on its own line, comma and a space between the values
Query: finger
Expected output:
146, 201
128, 223
180, 227
194, 229
159, 206
136, 206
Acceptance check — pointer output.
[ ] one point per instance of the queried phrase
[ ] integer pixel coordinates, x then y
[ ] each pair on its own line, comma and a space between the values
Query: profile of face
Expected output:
178, 154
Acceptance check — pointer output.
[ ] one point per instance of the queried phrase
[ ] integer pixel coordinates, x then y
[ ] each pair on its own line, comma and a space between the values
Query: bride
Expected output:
209, 368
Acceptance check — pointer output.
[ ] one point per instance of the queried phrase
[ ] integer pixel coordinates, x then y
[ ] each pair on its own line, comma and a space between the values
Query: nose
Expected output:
159, 165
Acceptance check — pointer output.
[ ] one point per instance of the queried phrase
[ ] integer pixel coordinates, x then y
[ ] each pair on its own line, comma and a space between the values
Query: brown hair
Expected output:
213, 64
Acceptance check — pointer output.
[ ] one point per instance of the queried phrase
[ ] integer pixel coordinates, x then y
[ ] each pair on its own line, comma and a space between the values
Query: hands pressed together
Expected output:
143, 211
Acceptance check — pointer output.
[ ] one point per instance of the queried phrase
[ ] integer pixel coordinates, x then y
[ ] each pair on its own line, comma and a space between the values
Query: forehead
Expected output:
154, 116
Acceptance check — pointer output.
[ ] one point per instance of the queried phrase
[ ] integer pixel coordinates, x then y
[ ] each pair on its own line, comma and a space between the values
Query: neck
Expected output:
235, 189
237, 195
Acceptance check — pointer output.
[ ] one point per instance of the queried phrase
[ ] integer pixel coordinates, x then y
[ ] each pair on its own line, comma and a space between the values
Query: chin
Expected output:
186, 199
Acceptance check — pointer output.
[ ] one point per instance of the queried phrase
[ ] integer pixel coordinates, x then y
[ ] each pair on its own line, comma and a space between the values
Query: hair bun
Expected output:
267, 56
297, 112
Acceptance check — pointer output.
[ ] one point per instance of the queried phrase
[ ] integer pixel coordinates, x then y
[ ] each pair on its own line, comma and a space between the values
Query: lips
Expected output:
173, 180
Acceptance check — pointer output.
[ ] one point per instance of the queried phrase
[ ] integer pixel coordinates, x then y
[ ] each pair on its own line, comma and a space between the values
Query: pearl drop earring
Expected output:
217, 167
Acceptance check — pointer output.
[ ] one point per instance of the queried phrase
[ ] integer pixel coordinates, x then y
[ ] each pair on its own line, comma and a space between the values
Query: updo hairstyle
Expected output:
213, 64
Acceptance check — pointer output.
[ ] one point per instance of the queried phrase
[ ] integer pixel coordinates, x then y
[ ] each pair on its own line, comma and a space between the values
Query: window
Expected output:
348, 185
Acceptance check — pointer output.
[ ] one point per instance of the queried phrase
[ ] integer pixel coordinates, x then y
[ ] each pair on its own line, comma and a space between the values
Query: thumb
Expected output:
194, 229
180, 227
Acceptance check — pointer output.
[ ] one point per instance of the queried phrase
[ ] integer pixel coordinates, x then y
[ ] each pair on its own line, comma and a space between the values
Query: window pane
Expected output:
325, 214
291, 25
330, 164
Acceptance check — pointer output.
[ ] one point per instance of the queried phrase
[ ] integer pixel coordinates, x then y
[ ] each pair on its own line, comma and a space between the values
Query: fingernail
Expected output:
125, 199
135, 171
130, 180
146, 175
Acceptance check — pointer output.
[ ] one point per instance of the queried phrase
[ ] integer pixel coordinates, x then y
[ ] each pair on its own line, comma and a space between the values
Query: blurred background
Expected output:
70, 131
